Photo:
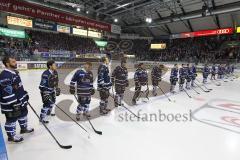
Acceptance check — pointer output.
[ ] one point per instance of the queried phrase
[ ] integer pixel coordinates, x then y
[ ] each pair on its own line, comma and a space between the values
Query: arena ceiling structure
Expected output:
156, 18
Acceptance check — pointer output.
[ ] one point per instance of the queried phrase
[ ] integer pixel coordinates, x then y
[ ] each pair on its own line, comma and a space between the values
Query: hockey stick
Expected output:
204, 85
60, 145
195, 90
187, 93
71, 119
201, 88
96, 131
165, 94
143, 92
126, 108
217, 84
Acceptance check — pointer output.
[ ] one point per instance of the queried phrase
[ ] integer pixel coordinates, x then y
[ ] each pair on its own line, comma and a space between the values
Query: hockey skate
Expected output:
154, 93
15, 139
86, 114
103, 112
26, 130
43, 121
134, 102
78, 115
50, 114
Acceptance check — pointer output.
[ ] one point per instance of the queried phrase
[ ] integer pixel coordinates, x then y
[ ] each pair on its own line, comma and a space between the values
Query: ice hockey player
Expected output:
49, 90
173, 78
213, 72
232, 69
156, 76
141, 80
120, 81
205, 72
83, 80
103, 85
228, 70
194, 74
188, 76
13, 100
182, 76
219, 72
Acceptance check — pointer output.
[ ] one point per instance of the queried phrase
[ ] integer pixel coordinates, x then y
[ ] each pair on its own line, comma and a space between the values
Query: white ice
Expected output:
192, 140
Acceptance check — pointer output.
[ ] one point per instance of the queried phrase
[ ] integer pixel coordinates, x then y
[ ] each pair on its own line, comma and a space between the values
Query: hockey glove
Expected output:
127, 84
27, 96
46, 98
58, 91
72, 90
92, 91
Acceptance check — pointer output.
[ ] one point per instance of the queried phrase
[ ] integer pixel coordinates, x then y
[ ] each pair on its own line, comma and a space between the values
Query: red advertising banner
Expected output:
38, 11
207, 33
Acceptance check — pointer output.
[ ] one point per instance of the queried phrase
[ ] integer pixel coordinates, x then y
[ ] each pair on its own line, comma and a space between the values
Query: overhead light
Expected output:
149, 20
78, 9
121, 6
115, 20
87, 12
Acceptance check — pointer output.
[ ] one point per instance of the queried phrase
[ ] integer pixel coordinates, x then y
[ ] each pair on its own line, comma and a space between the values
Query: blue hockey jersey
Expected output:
84, 82
12, 92
174, 73
104, 81
205, 71
193, 70
156, 73
141, 76
49, 81
183, 72
213, 70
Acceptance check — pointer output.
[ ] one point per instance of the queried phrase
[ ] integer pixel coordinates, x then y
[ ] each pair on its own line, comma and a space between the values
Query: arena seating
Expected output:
202, 49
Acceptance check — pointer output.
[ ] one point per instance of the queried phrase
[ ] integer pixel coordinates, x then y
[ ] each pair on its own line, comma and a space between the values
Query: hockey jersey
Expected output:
232, 68
194, 71
228, 69
156, 73
120, 76
213, 70
189, 72
141, 77
49, 81
12, 92
84, 82
103, 81
183, 72
205, 71
220, 70
174, 73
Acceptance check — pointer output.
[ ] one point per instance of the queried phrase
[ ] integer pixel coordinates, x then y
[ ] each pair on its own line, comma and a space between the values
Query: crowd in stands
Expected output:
202, 49
43, 41
19, 48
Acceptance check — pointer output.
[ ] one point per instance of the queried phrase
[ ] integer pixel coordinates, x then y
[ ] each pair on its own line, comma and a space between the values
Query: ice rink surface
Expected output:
212, 133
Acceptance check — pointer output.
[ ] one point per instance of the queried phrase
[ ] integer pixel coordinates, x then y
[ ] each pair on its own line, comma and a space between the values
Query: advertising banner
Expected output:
81, 32
238, 29
44, 25
12, 33
204, 33
58, 54
38, 11
19, 21
63, 29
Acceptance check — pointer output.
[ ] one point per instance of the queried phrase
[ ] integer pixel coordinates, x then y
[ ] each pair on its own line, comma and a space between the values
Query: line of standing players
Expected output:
14, 98
188, 73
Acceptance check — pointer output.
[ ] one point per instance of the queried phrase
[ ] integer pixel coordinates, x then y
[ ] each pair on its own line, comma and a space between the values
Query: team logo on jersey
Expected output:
44, 81
8, 89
